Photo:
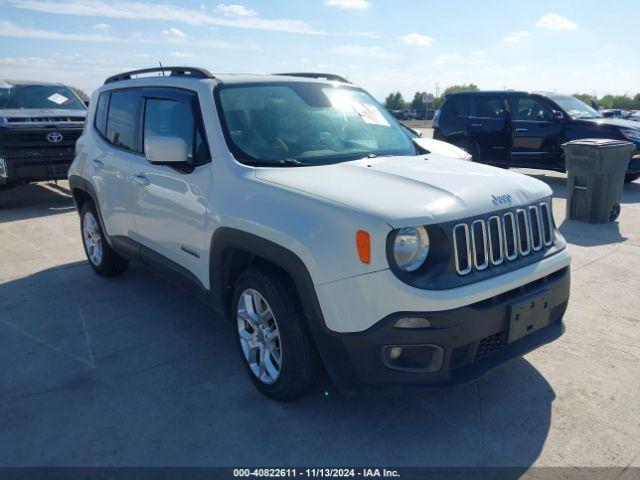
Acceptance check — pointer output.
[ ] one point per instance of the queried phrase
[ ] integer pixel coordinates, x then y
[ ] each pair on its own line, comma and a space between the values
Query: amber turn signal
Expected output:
363, 244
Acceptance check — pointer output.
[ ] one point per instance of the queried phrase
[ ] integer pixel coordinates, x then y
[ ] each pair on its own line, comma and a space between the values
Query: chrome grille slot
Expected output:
462, 248
536, 228
479, 244
547, 224
510, 236
496, 245
524, 232
483, 243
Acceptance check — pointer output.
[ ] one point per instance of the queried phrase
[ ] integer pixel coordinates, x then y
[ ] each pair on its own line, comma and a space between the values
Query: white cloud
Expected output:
418, 40
8, 29
26, 61
604, 65
447, 57
478, 57
181, 55
135, 10
102, 27
348, 4
553, 21
142, 55
515, 37
173, 33
236, 10
362, 51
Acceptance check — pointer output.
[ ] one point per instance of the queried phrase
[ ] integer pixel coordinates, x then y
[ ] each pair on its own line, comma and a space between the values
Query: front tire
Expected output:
276, 347
102, 258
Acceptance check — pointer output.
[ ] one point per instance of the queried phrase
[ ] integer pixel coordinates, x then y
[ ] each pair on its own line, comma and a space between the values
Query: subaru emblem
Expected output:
54, 137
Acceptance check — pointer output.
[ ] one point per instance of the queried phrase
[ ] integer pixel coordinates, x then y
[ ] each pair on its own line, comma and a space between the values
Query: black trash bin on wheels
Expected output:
595, 178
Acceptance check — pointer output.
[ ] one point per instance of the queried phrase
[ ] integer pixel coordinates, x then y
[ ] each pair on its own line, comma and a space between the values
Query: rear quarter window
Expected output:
101, 113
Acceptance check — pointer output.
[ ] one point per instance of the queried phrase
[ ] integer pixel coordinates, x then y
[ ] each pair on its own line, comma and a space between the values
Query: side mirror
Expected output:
558, 116
165, 150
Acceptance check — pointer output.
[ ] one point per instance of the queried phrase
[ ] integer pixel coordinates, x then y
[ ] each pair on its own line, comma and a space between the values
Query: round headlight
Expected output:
410, 248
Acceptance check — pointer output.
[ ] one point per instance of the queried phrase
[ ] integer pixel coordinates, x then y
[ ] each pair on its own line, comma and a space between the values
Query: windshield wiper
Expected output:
292, 162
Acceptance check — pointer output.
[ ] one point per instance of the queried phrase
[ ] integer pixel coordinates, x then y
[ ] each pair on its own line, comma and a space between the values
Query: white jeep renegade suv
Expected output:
301, 209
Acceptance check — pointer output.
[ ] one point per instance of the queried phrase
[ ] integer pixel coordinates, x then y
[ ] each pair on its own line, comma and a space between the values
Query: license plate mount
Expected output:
530, 315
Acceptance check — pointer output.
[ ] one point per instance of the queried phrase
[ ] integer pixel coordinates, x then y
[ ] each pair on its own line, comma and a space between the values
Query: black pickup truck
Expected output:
522, 129
39, 125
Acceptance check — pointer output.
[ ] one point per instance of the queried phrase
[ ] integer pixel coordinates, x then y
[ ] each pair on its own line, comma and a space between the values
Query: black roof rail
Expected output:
191, 72
320, 76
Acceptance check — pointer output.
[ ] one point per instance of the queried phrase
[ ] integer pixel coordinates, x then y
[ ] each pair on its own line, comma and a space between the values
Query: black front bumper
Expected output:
473, 339
35, 166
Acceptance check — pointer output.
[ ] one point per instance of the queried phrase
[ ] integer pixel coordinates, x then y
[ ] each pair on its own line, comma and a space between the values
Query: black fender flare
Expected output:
76, 182
329, 344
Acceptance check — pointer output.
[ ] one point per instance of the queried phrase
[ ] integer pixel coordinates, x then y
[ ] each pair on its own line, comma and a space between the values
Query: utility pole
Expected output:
437, 89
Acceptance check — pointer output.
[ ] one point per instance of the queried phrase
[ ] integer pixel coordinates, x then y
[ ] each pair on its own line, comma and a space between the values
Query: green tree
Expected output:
83, 96
394, 101
460, 88
417, 103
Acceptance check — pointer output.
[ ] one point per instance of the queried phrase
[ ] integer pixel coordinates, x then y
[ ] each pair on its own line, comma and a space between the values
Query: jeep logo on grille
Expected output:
54, 137
501, 200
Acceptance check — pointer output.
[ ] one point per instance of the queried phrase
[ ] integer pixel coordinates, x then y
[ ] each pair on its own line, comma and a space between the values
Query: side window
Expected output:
460, 105
174, 118
530, 109
121, 120
101, 113
456, 106
488, 107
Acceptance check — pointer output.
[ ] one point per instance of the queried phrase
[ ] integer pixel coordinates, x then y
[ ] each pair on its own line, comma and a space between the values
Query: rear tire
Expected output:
631, 177
276, 347
102, 258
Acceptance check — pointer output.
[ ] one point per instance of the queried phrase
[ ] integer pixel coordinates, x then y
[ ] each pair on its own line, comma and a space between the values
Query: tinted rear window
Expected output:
488, 107
122, 119
460, 105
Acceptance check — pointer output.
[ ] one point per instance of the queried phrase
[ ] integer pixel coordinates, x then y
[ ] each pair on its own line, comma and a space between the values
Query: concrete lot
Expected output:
133, 371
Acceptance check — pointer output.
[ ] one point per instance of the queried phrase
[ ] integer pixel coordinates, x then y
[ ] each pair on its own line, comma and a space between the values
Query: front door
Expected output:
171, 202
536, 134
488, 128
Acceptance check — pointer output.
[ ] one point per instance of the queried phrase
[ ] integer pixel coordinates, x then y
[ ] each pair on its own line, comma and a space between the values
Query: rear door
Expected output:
116, 123
171, 202
489, 129
536, 135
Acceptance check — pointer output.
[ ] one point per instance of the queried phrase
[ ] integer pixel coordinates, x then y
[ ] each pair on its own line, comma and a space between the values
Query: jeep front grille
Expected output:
481, 242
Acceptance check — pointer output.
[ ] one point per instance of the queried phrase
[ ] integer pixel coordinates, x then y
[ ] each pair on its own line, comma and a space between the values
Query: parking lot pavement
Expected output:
133, 371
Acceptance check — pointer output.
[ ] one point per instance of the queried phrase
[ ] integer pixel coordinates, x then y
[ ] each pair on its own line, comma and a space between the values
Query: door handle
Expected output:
521, 130
476, 126
141, 179
97, 163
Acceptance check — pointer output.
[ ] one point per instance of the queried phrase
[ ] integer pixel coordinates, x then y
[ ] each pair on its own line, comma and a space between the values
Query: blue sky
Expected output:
383, 45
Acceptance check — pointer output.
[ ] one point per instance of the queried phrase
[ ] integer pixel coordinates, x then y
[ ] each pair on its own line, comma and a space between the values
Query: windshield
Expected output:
39, 96
575, 108
307, 124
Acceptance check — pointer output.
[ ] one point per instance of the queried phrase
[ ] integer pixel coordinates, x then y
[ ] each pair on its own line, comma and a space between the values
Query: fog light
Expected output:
413, 322
413, 358
3, 167
395, 352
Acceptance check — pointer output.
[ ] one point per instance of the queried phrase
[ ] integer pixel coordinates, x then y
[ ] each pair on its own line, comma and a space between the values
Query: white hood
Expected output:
407, 191
442, 148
